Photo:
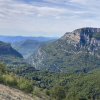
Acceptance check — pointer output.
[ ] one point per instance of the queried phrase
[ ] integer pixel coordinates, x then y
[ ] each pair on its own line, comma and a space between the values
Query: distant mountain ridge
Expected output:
27, 47
75, 51
10, 39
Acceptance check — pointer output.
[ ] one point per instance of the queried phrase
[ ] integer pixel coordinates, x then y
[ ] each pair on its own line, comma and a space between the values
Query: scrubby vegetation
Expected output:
11, 79
76, 85
58, 86
7, 77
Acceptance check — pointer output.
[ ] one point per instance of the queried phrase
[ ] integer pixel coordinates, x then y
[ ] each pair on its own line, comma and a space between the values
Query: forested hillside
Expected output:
11, 57
77, 51
69, 86
79, 85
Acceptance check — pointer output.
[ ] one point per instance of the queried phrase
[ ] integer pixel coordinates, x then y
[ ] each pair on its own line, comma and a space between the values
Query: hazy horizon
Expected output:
27, 36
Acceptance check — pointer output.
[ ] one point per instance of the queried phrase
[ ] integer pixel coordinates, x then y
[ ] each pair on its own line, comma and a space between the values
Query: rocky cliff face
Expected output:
83, 36
40, 55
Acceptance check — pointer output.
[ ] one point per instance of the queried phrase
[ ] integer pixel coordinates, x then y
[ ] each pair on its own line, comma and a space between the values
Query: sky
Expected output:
49, 18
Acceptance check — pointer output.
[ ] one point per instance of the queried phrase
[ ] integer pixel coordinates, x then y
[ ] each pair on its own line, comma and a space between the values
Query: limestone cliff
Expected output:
83, 36
40, 55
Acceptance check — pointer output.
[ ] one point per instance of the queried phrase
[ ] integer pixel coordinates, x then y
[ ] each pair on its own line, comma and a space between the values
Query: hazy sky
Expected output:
47, 17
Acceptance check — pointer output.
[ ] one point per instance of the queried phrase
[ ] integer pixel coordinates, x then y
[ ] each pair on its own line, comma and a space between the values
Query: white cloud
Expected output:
79, 1
12, 9
58, 16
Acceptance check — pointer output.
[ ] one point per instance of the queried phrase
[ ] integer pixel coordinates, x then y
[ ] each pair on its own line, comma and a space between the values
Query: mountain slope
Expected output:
11, 57
10, 39
27, 47
73, 52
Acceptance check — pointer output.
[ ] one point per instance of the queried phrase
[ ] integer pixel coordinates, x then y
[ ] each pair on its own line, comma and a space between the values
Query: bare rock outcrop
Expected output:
82, 36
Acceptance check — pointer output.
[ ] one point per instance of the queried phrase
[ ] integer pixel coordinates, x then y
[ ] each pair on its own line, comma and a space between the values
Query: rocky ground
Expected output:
8, 93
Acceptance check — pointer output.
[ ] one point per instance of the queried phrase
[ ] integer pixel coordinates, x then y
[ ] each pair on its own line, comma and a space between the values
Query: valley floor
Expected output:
8, 93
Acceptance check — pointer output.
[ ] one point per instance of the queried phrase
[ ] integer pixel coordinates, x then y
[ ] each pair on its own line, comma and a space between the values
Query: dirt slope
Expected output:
8, 93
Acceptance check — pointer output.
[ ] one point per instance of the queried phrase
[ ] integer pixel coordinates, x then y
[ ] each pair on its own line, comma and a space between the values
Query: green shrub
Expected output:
71, 96
47, 92
58, 93
9, 79
36, 92
26, 86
